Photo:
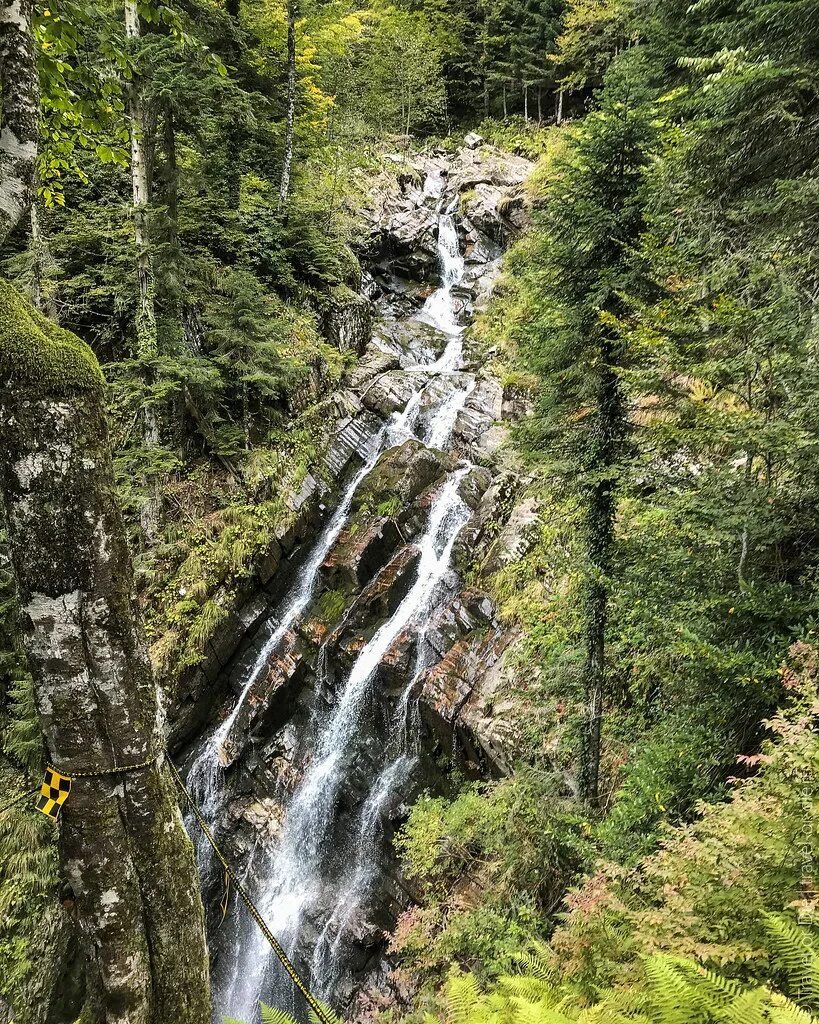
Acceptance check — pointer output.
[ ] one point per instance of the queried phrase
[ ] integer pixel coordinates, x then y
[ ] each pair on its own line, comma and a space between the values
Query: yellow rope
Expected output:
107, 771
275, 945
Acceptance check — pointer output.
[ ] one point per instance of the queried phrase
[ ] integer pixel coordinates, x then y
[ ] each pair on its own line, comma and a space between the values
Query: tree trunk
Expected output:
20, 106
599, 536
539, 103
284, 191
140, 184
504, 100
145, 321
124, 848
559, 116
42, 263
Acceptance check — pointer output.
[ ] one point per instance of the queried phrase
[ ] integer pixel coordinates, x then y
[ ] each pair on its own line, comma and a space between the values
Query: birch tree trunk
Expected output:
284, 190
145, 321
20, 106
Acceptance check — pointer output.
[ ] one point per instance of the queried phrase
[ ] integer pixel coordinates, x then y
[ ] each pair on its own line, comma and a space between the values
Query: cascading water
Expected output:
295, 879
299, 884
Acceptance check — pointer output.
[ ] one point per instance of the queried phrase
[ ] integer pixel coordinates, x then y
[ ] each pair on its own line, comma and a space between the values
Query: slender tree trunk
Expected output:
20, 106
505, 113
42, 263
599, 536
147, 345
525, 101
140, 184
485, 65
126, 854
539, 103
284, 191
559, 115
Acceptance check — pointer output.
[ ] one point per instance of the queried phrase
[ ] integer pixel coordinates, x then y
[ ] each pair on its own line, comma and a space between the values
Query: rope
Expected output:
319, 1011
106, 771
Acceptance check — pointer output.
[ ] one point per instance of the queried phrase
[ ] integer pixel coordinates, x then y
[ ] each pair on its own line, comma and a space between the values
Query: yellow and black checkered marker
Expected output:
53, 792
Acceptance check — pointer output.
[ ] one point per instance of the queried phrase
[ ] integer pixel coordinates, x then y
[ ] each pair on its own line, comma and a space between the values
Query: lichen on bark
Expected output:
124, 848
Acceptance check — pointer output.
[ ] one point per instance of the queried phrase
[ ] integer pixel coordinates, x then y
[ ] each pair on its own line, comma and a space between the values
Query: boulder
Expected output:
359, 552
414, 341
373, 363
347, 320
473, 140
490, 167
402, 474
390, 391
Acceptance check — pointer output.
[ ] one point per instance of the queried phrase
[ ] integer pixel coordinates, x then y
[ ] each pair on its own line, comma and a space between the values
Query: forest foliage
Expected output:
660, 318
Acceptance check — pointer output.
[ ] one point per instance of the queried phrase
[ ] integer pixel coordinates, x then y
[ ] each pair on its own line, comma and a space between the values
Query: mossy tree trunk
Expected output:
124, 848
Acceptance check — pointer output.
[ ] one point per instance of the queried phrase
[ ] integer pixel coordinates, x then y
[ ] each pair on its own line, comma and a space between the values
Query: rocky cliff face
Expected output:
362, 536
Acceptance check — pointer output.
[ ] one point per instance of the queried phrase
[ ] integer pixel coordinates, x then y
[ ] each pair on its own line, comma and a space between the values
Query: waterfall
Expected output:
205, 777
301, 884
295, 877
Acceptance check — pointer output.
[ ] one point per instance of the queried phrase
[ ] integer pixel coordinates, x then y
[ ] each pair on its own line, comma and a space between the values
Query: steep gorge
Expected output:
365, 669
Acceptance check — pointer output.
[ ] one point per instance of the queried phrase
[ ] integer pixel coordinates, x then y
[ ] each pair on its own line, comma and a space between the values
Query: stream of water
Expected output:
296, 885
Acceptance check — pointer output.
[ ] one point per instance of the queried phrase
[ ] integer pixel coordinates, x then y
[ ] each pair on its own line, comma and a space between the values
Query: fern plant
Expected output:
672, 990
271, 1015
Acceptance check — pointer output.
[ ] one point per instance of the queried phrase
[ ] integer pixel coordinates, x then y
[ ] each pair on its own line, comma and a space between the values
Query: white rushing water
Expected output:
294, 887
295, 880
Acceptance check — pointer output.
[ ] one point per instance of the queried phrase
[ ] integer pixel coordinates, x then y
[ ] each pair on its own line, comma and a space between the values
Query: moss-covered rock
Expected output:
38, 355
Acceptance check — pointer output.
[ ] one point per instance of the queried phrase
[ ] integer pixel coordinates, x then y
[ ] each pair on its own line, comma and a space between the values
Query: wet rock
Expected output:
402, 473
398, 297
496, 212
409, 236
413, 341
390, 391
379, 598
263, 816
397, 665
474, 485
373, 363
476, 419
359, 553
347, 320
455, 703
265, 705
352, 436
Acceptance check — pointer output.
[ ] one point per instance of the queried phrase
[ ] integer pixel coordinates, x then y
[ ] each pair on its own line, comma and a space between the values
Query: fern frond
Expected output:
270, 1015
748, 1008
793, 951
673, 998
463, 1001
328, 1014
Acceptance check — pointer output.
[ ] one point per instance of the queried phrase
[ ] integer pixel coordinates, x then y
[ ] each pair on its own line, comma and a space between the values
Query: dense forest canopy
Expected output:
216, 218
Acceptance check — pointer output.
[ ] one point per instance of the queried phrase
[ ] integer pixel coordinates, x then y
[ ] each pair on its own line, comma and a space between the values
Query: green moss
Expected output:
331, 605
39, 355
